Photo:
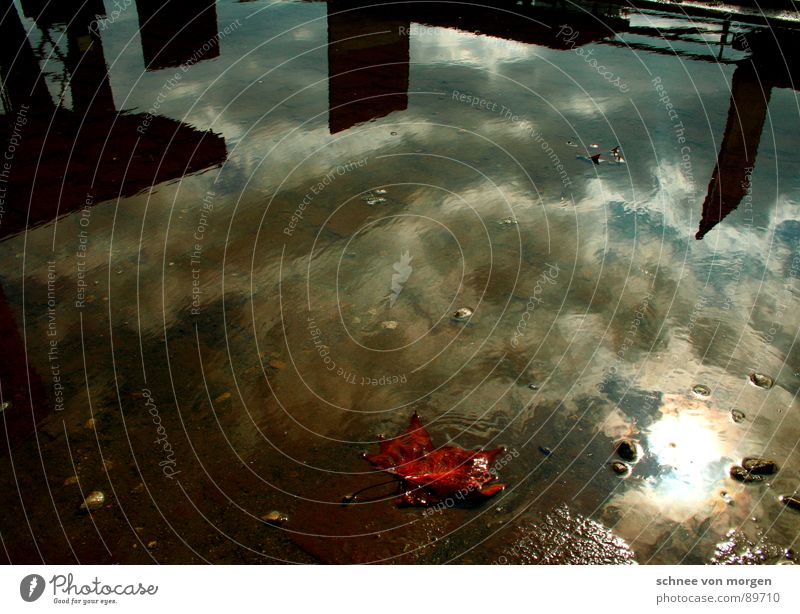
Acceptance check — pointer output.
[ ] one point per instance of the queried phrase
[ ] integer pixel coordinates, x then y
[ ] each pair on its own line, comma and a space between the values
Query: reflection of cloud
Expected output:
617, 424
444, 44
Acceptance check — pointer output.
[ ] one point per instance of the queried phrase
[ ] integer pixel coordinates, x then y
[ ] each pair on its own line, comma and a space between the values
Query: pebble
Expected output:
628, 450
620, 468
371, 199
463, 313
90, 424
701, 390
743, 475
759, 466
792, 501
93, 501
275, 517
223, 397
389, 324
545, 450
533, 386
73, 479
276, 364
4, 406
761, 380
726, 497
152, 545
737, 416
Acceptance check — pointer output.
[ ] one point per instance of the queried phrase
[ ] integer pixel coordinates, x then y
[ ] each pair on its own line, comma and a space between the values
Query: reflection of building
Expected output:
772, 64
730, 181
176, 32
368, 45
64, 159
23, 391
67, 158
367, 67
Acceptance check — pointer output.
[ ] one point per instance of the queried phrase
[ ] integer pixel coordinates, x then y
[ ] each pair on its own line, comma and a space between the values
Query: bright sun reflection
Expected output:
688, 445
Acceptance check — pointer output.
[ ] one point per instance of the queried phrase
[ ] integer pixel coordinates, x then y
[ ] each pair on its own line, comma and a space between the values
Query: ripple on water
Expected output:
738, 549
564, 537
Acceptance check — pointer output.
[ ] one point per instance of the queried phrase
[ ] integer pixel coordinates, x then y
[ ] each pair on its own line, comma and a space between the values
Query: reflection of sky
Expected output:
633, 220
687, 446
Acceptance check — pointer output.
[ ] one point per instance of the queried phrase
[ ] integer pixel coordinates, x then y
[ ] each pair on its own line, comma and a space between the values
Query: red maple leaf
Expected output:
431, 475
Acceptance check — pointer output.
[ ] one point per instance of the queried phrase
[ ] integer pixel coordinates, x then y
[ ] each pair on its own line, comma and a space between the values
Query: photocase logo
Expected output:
403, 272
31, 587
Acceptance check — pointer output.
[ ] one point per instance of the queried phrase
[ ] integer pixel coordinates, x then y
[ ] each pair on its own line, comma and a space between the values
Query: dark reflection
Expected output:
24, 398
771, 64
367, 65
176, 32
730, 181
65, 159
86, 64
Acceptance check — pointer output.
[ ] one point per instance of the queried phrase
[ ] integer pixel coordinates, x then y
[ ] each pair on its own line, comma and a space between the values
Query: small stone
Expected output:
726, 497
73, 479
90, 424
389, 325
759, 466
93, 501
274, 517
762, 381
223, 397
743, 475
628, 450
533, 386
463, 313
4, 406
276, 364
792, 501
737, 416
620, 468
701, 390
151, 545
545, 450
